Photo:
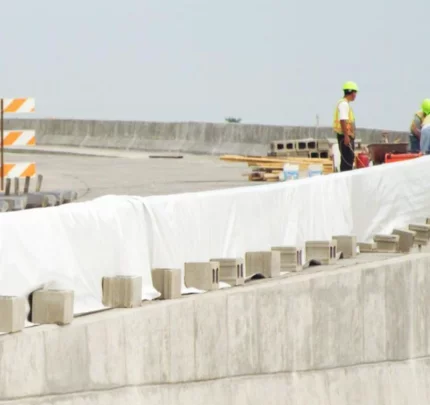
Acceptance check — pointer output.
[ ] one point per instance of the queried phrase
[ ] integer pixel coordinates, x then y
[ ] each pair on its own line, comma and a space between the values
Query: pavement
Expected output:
97, 172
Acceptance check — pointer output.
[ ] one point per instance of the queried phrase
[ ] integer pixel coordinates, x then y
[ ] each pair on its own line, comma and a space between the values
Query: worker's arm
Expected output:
346, 130
416, 125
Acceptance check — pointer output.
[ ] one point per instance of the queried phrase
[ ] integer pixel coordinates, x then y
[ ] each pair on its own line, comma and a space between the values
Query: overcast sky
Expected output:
266, 61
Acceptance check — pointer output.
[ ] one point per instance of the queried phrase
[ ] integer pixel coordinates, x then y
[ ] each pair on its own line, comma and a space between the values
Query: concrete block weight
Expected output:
322, 251
202, 275
387, 243
323, 145
122, 291
291, 258
406, 239
12, 314
40, 200
367, 247
16, 203
266, 263
168, 282
422, 233
347, 245
52, 307
231, 271
4, 206
306, 145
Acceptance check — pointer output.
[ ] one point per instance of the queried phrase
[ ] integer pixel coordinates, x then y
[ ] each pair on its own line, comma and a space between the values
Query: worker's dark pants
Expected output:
347, 155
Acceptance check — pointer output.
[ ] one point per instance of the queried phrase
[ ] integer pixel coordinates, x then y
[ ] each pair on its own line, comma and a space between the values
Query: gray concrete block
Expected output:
406, 239
422, 235
59, 196
122, 291
266, 263
168, 282
16, 203
323, 145
4, 206
202, 275
231, 271
387, 243
52, 307
291, 258
366, 247
347, 244
12, 314
40, 200
323, 251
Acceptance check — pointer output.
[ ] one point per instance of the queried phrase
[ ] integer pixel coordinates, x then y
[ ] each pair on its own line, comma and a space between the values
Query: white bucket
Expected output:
291, 172
315, 170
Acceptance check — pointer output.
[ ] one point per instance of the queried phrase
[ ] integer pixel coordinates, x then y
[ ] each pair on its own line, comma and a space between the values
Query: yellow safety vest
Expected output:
425, 121
336, 121
420, 115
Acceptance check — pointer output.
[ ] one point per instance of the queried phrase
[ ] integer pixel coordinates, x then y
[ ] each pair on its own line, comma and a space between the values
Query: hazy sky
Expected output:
266, 61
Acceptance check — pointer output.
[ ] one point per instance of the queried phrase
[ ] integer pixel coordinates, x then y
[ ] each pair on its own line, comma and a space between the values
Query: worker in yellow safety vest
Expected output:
425, 128
416, 126
344, 126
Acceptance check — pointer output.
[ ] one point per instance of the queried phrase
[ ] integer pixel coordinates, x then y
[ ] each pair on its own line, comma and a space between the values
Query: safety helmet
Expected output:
351, 86
425, 106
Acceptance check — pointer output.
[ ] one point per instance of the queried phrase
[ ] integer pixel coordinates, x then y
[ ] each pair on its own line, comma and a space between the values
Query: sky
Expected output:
275, 62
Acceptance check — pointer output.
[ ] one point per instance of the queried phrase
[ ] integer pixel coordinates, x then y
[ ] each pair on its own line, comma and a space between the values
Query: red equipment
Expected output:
398, 157
361, 160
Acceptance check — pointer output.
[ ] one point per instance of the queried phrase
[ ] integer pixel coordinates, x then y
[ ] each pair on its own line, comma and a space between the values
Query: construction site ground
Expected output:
97, 172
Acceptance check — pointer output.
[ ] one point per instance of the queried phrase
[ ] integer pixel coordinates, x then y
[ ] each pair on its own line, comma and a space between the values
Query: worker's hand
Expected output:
346, 140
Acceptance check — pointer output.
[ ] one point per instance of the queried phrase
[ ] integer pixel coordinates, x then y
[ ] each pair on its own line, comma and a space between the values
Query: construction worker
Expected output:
425, 128
416, 126
344, 126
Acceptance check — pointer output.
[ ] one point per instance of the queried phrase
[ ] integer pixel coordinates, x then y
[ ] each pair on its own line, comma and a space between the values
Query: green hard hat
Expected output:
351, 86
425, 106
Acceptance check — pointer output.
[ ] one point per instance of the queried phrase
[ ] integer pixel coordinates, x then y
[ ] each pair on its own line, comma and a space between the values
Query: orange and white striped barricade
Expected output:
15, 106
19, 169
25, 137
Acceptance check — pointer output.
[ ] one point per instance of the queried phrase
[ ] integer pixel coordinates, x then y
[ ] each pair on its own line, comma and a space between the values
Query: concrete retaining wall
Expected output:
358, 335
190, 137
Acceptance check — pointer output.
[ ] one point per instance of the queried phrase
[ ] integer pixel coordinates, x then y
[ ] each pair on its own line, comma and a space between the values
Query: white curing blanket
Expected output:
76, 245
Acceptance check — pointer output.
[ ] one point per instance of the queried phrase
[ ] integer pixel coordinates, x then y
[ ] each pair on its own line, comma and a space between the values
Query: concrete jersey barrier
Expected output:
192, 137
357, 335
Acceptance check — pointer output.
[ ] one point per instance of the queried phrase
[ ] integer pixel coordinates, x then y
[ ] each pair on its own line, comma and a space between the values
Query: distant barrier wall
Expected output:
193, 137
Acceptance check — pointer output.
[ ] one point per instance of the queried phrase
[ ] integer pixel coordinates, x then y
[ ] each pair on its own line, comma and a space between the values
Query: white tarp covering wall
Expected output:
74, 246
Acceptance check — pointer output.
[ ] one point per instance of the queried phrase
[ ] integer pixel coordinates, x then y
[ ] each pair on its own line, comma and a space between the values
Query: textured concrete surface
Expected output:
131, 173
191, 137
332, 335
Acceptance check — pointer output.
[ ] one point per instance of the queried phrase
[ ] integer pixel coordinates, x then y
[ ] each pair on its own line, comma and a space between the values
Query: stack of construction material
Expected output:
270, 168
307, 148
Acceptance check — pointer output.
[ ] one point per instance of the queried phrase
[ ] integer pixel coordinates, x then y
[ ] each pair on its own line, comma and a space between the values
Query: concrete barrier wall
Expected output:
190, 137
358, 335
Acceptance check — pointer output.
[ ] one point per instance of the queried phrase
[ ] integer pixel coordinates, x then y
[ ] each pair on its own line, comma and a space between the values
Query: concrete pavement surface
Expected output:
97, 172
